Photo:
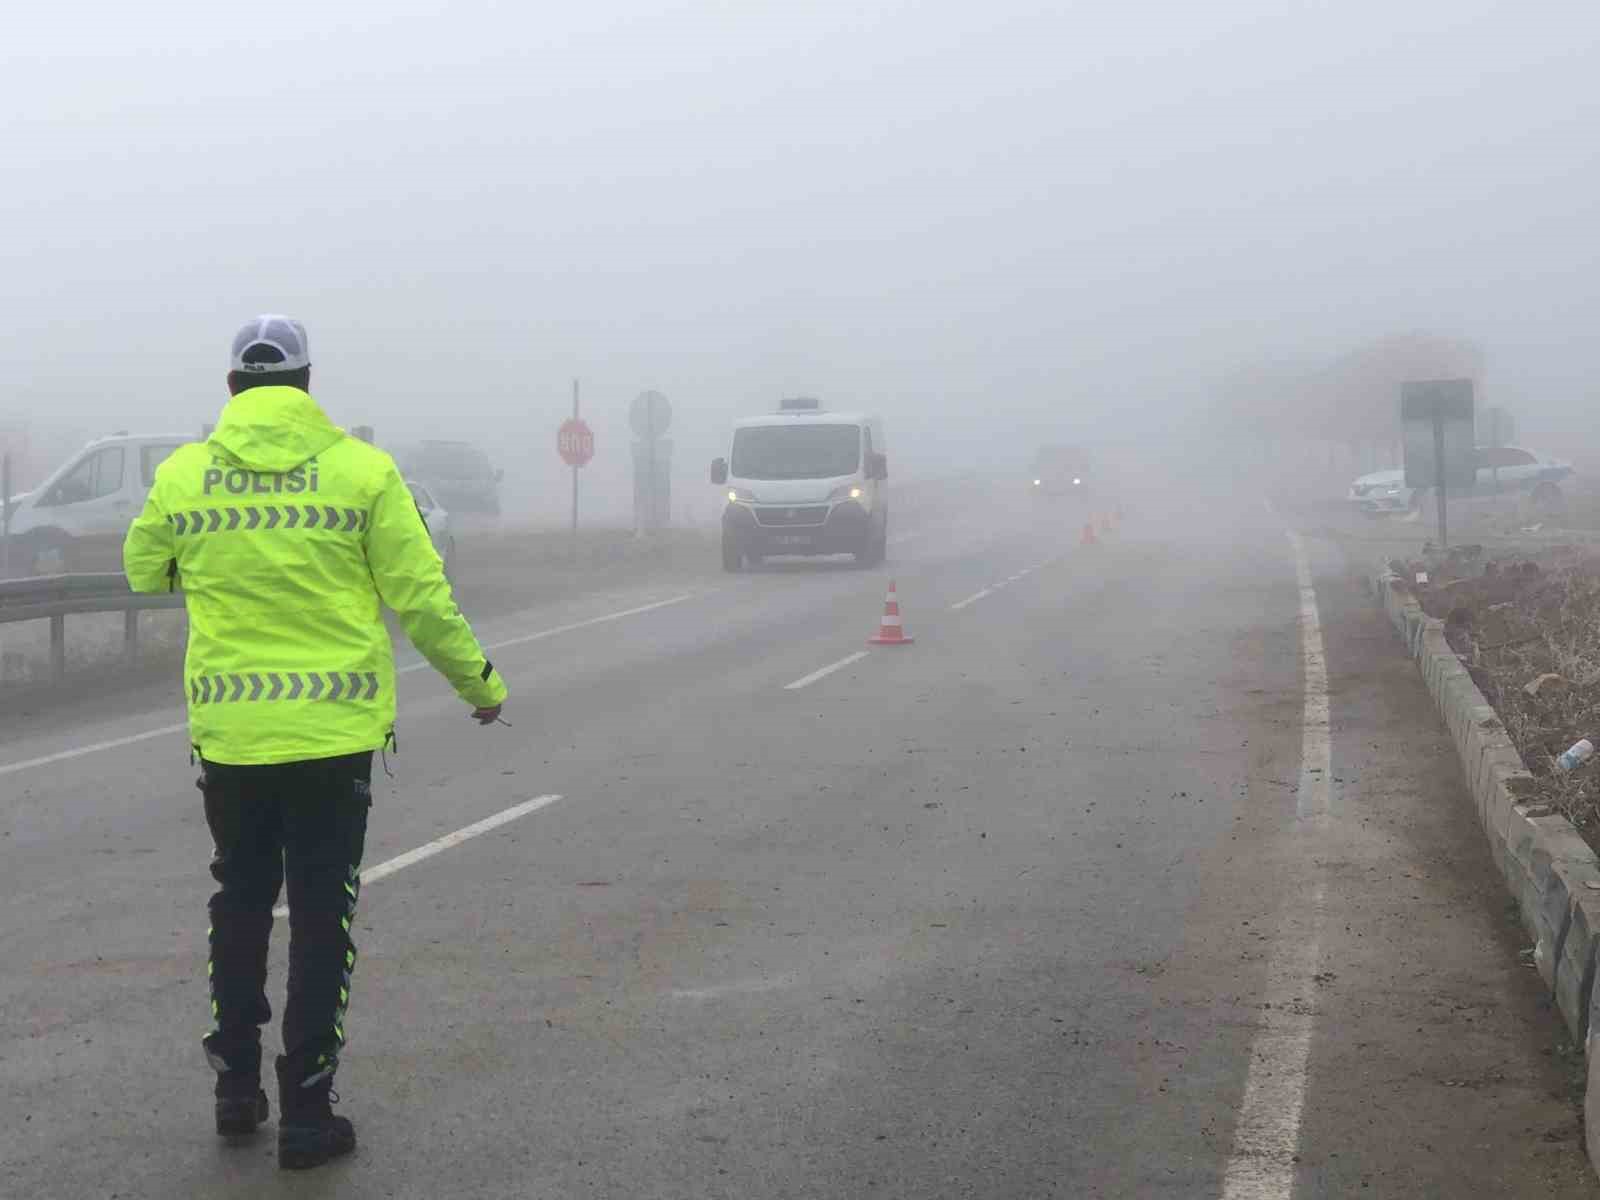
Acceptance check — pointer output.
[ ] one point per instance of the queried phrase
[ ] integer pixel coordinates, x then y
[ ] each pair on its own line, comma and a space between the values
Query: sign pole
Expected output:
575, 445
650, 441
1438, 461
5, 514
1438, 416
574, 540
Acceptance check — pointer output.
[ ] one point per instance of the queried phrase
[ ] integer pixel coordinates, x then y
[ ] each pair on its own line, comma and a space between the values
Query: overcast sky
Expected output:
989, 210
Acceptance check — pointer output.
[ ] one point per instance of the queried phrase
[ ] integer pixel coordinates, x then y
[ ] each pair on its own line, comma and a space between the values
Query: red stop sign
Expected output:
575, 442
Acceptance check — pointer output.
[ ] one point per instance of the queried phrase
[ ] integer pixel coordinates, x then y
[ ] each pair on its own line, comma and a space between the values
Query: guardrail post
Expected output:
130, 636
58, 647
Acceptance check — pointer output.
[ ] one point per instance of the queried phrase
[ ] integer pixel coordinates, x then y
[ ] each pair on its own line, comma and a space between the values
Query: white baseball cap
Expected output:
270, 343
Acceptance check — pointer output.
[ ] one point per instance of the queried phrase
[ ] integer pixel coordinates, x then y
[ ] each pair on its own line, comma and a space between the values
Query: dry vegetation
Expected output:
1527, 627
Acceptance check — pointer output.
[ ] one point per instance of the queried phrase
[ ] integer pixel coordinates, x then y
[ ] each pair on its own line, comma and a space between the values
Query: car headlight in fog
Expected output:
1037, 482
1076, 482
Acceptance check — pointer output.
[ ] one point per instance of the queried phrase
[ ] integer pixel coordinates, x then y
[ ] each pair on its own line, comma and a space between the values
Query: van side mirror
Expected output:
877, 466
719, 471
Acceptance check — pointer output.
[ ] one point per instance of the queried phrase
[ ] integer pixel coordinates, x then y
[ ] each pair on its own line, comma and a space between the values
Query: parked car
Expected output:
1501, 471
437, 519
76, 519
457, 474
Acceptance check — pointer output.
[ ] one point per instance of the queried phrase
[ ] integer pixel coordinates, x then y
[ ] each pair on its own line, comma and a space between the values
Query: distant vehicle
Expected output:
1501, 471
457, 474
1062, 471
77, 518
805, 481
437, 519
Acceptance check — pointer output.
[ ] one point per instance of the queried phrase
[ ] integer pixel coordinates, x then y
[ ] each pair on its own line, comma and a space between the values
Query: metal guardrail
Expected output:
54, 598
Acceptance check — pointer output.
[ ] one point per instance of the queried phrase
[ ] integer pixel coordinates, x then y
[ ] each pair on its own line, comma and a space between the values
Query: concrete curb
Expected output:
1549, 869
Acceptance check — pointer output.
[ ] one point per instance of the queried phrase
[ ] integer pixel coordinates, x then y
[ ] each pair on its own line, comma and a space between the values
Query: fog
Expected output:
995, 224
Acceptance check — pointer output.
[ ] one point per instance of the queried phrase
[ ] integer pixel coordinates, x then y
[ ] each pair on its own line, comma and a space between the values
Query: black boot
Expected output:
308, 1132
241, 1104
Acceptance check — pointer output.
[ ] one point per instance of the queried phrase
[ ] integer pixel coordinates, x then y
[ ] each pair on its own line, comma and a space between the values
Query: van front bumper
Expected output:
772, 529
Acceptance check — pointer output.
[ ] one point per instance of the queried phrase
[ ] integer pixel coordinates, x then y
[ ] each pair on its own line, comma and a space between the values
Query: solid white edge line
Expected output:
164, 730
1266, 1139
465, 833
972, 599
807, 680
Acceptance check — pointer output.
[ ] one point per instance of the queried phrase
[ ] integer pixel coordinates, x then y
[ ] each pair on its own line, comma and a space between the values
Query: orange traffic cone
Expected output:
1088, 538
890, 633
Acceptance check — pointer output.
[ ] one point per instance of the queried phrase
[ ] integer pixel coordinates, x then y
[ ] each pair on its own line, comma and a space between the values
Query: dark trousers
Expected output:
305, 822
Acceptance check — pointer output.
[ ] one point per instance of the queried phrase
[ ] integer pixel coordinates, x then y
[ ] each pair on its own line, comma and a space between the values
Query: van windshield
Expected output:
796, 451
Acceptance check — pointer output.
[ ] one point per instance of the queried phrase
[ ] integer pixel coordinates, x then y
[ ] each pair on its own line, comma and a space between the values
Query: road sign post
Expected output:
650, 416
1438, 419
575, 444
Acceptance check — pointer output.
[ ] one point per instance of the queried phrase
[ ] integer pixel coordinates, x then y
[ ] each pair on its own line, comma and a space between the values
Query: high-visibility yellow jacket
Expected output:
285, 535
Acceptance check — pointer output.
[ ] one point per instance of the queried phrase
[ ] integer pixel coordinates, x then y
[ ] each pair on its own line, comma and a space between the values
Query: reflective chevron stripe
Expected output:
269, 516
268, 686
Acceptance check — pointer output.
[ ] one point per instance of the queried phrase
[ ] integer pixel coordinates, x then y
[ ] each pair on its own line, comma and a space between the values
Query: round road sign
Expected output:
575, 442
650, 414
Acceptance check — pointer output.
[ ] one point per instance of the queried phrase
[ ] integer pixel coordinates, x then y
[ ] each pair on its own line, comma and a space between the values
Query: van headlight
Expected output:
741, 496
847, 491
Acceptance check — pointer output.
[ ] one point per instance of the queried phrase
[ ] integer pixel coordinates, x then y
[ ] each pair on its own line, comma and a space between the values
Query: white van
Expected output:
76, 519
804, 481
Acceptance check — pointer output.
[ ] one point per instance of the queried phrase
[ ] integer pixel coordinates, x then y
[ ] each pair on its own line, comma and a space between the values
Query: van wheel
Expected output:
731, 558
1547, 498
876, 551
52, 555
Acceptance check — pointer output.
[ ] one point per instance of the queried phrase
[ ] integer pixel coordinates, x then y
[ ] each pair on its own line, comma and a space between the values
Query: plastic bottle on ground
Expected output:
1576, 756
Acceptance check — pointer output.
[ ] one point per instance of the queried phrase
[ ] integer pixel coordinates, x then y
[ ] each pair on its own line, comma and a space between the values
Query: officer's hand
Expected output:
486, 716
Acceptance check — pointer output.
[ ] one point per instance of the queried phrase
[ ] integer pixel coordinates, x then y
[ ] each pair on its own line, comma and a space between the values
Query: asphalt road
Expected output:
1048, 903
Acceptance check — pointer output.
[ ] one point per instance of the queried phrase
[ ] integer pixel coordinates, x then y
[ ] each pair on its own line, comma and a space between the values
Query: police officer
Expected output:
287, 537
